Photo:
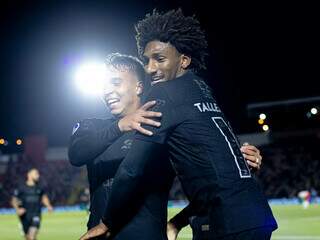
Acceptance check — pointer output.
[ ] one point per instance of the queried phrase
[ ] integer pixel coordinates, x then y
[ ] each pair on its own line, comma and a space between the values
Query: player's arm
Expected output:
108, 167
133, 178
46, 202
92, 138
143, 115
15, 203
178, 222
181, 219
252, 155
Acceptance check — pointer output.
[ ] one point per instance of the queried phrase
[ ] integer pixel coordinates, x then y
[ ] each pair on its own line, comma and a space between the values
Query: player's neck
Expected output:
181, 73
30, 182
134, 107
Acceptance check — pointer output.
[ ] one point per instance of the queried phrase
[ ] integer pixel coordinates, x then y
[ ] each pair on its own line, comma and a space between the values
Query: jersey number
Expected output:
234, 146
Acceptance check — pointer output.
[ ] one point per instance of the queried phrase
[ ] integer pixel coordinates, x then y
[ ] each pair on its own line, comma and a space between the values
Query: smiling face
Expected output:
121, 91
164, 62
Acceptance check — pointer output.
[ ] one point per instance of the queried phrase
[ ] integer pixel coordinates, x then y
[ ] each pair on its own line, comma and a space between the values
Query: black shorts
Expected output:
263, 233
28, 221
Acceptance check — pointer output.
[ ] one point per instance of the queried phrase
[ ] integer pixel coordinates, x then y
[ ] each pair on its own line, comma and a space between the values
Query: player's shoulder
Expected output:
177, 90
167, 90
20, 188
157, 93
16, 191
158, 89
40, 188
97, 121
91, 124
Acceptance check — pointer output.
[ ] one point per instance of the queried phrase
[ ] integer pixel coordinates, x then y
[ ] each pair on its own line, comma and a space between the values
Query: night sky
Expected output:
258, 52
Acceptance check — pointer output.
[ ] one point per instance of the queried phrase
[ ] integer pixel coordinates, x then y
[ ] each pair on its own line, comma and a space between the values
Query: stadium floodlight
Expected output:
90, 77
314, 111
262, 116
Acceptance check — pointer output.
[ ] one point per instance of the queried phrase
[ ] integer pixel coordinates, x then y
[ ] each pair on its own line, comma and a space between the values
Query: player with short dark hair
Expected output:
101, 145
27, 201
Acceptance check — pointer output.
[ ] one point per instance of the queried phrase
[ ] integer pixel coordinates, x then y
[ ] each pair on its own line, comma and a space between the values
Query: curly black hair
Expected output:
128, 63
183, 32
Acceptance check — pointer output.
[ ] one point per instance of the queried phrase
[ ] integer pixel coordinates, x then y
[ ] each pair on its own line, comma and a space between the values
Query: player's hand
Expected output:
172, 231
98, 230
50, 209
21, 211
134, 120
252, 155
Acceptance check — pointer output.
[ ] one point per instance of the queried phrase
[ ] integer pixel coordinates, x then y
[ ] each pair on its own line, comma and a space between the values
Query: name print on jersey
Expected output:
207, 107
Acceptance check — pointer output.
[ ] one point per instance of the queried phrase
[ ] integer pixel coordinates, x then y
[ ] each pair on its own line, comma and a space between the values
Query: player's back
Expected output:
207, 157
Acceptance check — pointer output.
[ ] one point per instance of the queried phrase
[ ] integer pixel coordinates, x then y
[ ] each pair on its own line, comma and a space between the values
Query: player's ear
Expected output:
185, 61
139, 88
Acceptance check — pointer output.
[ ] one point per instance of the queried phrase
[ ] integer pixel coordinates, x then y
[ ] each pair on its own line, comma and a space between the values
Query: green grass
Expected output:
294, 223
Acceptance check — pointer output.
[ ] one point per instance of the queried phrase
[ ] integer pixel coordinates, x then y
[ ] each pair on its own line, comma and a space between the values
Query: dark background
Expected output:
258, 52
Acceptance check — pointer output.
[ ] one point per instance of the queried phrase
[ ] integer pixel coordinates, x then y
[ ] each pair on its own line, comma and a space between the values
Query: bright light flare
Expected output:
90, 78
314, 111
19, 142
263, 116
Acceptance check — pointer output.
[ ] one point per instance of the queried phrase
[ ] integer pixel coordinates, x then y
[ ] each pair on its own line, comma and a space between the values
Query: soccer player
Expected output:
27, 201
203, 149
102, 144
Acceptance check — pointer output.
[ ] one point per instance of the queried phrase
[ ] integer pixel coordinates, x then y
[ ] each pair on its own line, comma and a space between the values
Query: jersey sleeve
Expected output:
43, 190
105, 166
168, 119
181, 219
90, 138
133, 179
16, 193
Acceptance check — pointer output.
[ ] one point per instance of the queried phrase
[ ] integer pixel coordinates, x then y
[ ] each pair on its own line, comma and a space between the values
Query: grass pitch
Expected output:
294, 222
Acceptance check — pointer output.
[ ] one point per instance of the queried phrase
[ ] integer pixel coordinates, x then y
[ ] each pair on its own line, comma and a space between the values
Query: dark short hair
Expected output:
126, 62
183, 32
29, 169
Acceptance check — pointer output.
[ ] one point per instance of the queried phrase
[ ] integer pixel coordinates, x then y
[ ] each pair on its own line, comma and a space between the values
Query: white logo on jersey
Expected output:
127, 144
75, 128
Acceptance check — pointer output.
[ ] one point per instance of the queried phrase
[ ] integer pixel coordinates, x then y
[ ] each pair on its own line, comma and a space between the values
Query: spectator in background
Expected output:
85, 199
